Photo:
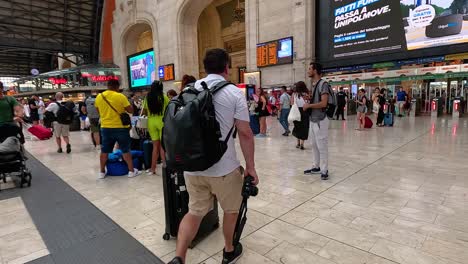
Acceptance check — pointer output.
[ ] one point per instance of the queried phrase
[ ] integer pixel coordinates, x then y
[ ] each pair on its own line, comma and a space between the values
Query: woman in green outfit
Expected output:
154, 107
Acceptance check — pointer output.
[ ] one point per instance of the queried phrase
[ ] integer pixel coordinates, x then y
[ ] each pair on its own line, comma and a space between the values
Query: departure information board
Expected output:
166, 72
275, 52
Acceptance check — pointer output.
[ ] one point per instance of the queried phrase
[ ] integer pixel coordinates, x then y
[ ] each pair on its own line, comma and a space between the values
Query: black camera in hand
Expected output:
249, 189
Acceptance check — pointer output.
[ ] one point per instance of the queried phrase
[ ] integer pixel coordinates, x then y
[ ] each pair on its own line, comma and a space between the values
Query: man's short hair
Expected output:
216, 61
113, 84
317, 66
59, 96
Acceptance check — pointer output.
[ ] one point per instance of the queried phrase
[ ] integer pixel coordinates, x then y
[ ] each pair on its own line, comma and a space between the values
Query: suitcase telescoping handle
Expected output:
248, 190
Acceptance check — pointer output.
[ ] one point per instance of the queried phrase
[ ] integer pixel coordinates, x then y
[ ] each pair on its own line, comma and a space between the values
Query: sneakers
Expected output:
232, 257
285, 134
59, 150
176, 260
101, 175
68, 148
312, 171
261, 136
325, 176
134, 173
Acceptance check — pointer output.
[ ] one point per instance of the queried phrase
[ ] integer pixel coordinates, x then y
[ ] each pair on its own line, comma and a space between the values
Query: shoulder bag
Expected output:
124, 117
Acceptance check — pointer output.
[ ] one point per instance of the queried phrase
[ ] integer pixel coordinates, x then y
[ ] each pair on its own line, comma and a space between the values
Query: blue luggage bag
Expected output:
388, 119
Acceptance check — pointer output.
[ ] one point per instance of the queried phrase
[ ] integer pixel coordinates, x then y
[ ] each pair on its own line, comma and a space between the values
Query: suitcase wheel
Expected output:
166, 236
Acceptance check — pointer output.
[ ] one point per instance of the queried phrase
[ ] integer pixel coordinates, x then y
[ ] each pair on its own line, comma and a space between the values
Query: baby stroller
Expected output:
12, 158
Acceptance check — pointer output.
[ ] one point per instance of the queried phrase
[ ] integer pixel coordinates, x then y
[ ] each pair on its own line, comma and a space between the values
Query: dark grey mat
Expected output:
73, 229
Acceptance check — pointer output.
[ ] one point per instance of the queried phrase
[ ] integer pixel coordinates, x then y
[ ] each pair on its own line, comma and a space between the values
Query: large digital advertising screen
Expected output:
141, 68
350, 29
275, 52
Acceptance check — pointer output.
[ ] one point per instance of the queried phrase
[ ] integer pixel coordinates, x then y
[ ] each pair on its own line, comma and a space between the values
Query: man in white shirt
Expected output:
60, 130
224, 179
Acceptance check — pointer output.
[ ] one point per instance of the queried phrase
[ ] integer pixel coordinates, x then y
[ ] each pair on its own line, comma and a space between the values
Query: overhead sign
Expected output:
166, 72
275, 52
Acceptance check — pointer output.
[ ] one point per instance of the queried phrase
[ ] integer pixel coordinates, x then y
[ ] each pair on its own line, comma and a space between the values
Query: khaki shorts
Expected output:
203, 189
61, 130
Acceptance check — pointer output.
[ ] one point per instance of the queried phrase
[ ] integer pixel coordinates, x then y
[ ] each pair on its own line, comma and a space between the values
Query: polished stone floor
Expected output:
395, 195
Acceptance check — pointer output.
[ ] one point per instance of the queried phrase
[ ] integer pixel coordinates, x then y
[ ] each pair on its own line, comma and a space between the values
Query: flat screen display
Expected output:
166, 72
275, 52
395, 29
141, 67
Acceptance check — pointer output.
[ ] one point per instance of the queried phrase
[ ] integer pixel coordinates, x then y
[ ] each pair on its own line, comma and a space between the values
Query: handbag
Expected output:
134, 133
142, 122
294, 114
124, 117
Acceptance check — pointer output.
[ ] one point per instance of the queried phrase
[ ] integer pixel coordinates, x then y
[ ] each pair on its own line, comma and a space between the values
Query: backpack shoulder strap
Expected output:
219, 86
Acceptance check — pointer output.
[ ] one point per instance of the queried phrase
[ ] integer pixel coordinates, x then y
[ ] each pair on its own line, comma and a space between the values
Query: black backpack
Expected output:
49, 118
191, 134
65, 113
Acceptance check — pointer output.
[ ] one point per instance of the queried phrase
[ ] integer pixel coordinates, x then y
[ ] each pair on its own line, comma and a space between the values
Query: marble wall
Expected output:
174, 27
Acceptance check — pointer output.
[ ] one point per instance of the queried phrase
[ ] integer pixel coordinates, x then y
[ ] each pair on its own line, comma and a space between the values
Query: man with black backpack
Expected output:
64, 113
319, 114
220, 175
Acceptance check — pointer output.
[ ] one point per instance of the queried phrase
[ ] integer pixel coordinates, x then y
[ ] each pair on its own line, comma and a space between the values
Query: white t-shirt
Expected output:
53, 107
299, 101
230, 105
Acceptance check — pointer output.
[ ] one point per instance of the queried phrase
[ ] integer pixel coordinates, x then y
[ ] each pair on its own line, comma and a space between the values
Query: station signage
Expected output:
275, 52
103, 78
166, 72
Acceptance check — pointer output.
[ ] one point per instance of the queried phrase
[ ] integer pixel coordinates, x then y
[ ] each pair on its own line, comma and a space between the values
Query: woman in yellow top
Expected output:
154, 107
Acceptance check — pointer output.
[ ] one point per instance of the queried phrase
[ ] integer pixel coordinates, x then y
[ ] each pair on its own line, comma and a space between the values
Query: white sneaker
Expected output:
102, 175
134, 173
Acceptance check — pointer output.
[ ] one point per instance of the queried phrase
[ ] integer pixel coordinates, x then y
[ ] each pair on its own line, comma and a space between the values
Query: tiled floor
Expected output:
395, 195
20, 241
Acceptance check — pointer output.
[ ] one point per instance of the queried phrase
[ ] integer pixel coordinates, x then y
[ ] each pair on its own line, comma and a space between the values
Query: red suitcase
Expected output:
40, 132
368, 122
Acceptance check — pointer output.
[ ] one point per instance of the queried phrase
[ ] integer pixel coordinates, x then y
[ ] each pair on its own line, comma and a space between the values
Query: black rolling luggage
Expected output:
176, 200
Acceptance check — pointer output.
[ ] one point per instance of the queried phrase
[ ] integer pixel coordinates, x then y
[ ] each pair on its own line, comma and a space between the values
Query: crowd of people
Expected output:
108, 114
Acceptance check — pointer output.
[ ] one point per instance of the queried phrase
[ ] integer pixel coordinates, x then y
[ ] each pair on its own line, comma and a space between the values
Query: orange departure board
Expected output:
262, 56
167, 72
272, 54
275, 52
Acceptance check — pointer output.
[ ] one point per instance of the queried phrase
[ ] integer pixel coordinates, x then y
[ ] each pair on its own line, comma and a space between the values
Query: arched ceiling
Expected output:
33, 32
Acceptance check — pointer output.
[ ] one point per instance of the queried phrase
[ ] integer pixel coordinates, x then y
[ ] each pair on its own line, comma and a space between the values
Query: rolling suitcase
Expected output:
40, 132
388, 119
147, 153
176, 200
368, 122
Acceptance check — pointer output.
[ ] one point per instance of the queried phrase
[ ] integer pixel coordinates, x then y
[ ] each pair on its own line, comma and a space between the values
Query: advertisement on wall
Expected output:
141, 68
371, 27
432, 23
364, 27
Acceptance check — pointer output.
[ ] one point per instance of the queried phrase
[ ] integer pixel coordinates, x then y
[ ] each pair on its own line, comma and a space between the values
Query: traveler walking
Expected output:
262, 111
34, 109
41, 110
284, 109
93, 116
224, 179
341, 100
319, 119
113, 108
401, 98
381, 114
64, 113
301, 128
154, 107
361, 108
376, 104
